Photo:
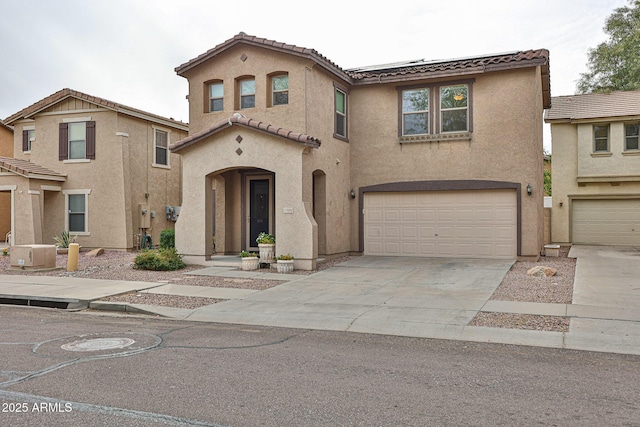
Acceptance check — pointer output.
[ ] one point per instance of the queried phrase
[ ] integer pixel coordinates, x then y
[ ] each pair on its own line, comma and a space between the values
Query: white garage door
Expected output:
606, 222
472, 224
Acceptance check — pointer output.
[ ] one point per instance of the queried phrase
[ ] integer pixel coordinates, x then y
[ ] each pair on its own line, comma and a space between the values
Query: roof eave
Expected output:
278, 47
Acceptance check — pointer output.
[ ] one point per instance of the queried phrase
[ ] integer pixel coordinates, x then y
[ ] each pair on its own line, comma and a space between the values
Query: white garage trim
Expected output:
605, 221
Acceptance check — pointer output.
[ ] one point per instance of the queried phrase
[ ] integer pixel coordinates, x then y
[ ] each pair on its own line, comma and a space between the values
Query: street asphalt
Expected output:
401, 296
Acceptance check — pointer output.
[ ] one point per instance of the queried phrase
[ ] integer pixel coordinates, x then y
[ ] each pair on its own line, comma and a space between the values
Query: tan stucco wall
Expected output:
118, 178
295, 231
506, 144
572, 158
310, 108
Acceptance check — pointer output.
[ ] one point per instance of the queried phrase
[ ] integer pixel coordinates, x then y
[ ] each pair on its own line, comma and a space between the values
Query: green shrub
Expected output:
159, 260
168, 238
265, 238
65, 239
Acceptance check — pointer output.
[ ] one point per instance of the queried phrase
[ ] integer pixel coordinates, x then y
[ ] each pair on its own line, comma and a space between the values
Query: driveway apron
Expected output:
607, 278
388, 295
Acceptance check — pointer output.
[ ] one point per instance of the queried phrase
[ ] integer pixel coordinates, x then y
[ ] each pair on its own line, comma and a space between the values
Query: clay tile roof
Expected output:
66, 93
243, 38
29, 170
594, 106
240, 120
421, 69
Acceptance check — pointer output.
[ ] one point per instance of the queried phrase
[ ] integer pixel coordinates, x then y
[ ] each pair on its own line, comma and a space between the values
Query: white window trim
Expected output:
76, 119
168, 132
86, 192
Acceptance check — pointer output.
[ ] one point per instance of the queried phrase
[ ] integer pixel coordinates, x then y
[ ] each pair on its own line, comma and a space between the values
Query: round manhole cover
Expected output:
98, 344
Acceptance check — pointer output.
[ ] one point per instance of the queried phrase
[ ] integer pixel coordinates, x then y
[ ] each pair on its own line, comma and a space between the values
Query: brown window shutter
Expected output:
25, 140
91, 140
63, 144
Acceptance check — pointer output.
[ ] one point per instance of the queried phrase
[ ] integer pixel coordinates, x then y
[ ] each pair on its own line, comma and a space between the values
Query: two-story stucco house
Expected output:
596, 168
100, 170
418, 158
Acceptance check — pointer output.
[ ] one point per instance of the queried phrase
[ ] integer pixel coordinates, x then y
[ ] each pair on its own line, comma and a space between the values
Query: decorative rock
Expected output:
541, 271
95, 253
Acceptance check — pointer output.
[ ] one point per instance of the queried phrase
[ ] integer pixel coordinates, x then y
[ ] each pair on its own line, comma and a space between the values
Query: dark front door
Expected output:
258, 209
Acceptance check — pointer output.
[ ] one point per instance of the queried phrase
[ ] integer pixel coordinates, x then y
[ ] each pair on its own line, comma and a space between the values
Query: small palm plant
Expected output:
65, 239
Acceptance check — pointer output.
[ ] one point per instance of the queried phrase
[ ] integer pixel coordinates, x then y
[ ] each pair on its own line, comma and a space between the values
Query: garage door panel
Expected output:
606, 222
442, 223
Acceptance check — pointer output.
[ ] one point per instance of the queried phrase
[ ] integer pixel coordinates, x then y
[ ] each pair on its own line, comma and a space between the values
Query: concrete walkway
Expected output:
418, 297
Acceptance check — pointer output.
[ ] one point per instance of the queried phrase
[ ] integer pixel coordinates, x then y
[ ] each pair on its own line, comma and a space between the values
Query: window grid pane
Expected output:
77, 140
631, 135
601, 138
454, 108
77, 212
341, 113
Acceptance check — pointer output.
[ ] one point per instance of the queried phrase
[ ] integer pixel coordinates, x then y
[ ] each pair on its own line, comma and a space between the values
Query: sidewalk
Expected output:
386, 296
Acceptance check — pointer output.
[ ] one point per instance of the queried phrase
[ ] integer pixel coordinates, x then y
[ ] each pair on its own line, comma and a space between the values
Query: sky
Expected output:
126, 51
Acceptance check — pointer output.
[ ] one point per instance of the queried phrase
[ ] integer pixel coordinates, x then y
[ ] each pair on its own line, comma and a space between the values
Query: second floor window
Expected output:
247, 93
280, 90
341, 113
28, 136
631, 133
415, 112
601, 138
216, 94
454, 108
77, 140
161, 155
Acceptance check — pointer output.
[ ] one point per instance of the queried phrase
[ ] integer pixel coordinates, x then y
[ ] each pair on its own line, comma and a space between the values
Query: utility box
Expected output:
30, 257
144, 216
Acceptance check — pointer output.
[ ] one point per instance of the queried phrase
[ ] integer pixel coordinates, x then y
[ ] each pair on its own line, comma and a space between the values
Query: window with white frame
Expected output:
28, 136
601, 138
78, 140
415, 111
77, 211
430, 110
454, 108
216, 95
280, 89
247, 93
161, 148
341, 113
631, 133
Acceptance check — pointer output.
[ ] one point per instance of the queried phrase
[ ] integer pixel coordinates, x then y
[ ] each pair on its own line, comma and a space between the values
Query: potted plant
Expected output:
285, 263
250, 260
267, 247
63, 241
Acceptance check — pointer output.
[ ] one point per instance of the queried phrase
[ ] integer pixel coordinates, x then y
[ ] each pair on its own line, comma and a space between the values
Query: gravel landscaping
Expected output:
516, 286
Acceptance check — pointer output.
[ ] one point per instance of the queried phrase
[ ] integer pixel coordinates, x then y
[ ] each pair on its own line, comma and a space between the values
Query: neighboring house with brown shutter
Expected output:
6, 150
419, 158
92, 167
596, 168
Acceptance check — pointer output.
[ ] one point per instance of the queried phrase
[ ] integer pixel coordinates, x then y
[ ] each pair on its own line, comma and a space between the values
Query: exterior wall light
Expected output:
529, 189
352, 194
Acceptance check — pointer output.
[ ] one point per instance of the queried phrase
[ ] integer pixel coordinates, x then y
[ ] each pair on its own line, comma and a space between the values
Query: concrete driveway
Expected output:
607, 279
388, 295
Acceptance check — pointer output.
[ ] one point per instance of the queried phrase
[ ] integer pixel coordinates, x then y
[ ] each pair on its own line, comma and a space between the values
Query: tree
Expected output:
615, 64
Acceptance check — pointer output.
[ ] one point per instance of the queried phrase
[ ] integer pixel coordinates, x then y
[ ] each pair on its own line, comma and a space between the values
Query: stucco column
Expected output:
194, 225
